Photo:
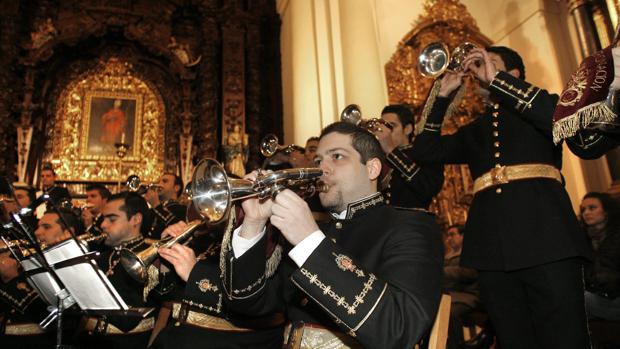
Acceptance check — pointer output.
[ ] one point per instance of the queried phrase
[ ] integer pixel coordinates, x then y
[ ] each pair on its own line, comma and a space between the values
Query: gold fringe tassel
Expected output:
568, 126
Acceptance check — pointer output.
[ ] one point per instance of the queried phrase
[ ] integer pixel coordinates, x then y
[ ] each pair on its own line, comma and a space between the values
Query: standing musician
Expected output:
122, 219
97, 196
164, 206
199, 314
370, 277
21, 309
522, 234
408, 184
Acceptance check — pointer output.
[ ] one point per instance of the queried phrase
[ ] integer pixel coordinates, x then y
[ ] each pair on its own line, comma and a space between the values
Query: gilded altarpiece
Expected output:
72, 153
446, 21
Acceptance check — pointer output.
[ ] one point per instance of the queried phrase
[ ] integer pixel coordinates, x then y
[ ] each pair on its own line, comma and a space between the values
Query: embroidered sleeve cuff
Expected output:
241, 245
300, 253
513, 91
400, 161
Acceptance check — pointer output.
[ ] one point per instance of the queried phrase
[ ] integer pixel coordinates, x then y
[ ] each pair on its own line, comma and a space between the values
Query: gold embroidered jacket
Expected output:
165, 214
376, 277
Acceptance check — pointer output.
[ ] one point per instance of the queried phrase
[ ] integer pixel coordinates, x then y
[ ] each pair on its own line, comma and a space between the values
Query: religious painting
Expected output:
98, 109
112, 119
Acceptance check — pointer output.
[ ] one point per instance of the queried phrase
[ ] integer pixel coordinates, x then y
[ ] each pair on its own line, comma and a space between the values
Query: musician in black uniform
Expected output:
123, 217
370, 277
164, 206
49, 191
21, 309
408, 184
522, 233
97, 196
199, 314
53, 228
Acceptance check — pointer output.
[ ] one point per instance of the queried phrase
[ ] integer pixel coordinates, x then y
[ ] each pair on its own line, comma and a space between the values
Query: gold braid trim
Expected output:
226, 241
273, 262
152, 280
456, 102
430, 100
568, 126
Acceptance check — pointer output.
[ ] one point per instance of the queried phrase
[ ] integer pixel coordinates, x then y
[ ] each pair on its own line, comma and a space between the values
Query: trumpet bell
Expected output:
269, 145
352, 114
133, 183
135, 265
433, 60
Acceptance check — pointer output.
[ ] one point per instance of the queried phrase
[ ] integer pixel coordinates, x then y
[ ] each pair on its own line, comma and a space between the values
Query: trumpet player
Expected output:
123, 216
21, 309
53, 228
370, 277
164, 206
97, 196
522, 234
407, 184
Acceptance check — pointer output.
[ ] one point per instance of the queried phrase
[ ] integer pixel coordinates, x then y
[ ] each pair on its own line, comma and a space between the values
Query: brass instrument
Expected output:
352, 114
213, 194
435, 58
133, 184
18, 243
269, 145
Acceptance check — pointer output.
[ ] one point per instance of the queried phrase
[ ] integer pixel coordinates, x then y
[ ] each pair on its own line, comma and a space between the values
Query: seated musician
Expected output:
199, 314
123, 216
21, 309
370, 277
97, 196
53, 228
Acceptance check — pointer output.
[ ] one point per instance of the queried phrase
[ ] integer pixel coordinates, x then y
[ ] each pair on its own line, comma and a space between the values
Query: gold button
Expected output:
498, 165
388, 194
495, 133
338, 225
495, 114
495, 123
304, 302
387, 202
498, 190
496, 154
496, 144
496, 106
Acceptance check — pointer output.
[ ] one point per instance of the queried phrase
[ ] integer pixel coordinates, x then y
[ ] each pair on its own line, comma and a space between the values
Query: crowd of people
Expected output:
362, 264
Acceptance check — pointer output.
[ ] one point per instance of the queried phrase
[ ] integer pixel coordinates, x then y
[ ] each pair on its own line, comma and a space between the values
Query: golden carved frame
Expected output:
113, 79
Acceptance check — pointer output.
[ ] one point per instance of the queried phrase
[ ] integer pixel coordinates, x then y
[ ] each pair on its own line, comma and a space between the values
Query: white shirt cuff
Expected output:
241, 245
300, 253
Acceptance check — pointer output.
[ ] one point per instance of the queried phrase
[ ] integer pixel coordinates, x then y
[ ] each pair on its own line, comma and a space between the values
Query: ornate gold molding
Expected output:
70, 154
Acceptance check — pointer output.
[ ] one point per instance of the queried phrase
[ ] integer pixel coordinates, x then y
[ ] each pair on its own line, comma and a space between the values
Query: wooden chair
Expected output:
439, 332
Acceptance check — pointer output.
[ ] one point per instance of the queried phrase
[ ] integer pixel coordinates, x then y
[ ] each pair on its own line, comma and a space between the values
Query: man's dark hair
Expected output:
313, 138
48, 167
511, 59
32, 194
103, 191
404, 112
133, 203
362, 141
68, 219
177, 181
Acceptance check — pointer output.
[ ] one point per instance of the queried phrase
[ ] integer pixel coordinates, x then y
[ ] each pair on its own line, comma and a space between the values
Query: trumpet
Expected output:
18, 243
269, 145
213, 194
352, 114
435, 58
133, 184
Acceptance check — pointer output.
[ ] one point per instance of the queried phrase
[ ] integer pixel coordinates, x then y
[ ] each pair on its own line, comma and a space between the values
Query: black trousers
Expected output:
541, 307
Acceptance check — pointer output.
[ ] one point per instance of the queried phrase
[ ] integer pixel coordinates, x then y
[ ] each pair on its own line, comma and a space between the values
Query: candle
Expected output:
123, 138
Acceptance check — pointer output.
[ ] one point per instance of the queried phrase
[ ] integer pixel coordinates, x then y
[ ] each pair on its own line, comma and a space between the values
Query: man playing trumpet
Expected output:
522, 234
369, 277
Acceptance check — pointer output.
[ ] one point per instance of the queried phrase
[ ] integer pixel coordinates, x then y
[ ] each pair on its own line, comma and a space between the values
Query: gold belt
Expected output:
182, 315
507, 174
23, 330
95, 325
311, 336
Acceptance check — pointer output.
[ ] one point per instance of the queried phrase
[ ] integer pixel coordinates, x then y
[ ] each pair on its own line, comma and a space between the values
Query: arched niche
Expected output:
88, 126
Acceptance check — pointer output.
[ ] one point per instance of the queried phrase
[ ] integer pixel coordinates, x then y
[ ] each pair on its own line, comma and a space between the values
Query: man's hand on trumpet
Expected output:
384, 136
292, 216
480, 64
256, 211
181, 257
450, 82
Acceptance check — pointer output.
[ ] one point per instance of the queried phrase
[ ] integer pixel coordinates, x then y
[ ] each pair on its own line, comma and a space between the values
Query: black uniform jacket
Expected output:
376, 276
522, 223
592, 144
411, 185
165, 214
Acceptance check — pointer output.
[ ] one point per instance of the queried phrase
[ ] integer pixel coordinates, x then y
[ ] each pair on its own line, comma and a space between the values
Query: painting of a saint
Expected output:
112, 120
